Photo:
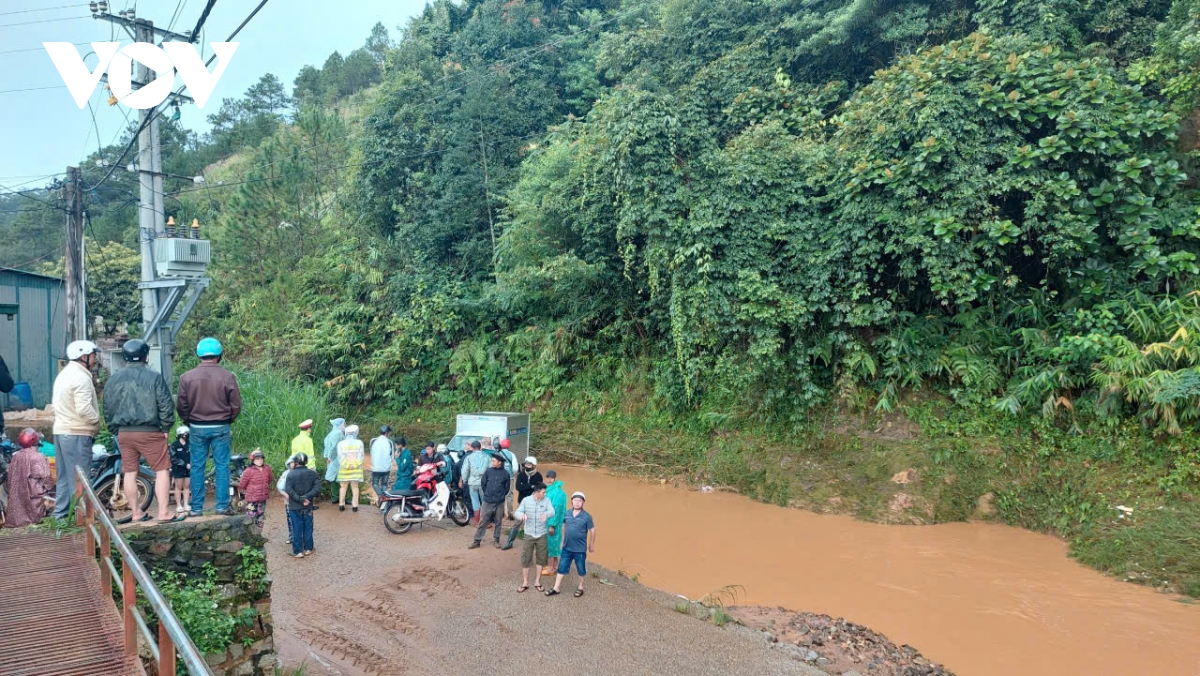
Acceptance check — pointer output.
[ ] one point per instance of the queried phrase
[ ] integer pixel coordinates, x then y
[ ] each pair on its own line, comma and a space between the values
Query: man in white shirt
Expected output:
76, 420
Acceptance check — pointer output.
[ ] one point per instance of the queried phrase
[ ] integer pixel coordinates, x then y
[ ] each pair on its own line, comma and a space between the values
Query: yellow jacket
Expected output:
303, 444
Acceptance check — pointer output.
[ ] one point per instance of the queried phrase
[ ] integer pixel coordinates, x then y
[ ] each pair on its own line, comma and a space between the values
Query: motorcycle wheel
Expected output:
458, 512
392, 519
122, 513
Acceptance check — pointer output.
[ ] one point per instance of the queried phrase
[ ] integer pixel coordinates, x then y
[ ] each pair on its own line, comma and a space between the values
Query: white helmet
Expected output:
530, 461
81, 348
182, 430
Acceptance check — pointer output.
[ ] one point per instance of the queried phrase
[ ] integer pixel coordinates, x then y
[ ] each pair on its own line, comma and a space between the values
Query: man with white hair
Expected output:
76, 420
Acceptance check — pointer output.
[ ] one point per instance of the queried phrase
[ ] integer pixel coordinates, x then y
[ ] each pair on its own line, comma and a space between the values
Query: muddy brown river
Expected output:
983, 599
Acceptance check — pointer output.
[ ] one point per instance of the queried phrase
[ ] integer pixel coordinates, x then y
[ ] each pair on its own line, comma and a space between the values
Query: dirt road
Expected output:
371, 603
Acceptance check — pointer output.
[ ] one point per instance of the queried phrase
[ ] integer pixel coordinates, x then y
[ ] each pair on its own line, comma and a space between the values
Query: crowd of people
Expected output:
139, 410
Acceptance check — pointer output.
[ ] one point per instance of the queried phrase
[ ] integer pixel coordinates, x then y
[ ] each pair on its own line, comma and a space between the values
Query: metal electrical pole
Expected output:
73, 260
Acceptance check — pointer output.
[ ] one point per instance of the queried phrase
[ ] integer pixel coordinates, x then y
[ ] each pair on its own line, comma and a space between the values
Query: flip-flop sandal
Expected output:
553, 592
522, 589
173, 520
145, 517
578, 593
540, 588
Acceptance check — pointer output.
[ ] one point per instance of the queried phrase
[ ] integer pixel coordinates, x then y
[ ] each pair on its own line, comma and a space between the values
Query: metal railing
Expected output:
172, 638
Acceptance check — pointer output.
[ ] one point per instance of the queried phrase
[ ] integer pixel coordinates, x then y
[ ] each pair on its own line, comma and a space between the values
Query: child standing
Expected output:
181, 470
302, 486
256, 485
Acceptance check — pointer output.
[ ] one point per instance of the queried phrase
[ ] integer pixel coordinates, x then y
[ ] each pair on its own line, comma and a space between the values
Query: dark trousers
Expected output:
512, 536
300, 522
288, 512
490, 512
379, 481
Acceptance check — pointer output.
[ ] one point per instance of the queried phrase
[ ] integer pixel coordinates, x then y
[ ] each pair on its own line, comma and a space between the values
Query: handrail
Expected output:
171, 635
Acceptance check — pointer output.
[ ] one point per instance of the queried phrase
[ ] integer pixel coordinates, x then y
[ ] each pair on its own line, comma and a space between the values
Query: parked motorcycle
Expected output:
106, 477
431, 500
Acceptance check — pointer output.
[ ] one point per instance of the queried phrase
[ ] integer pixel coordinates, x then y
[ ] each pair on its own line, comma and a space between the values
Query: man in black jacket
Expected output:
495, 485
6, 386
302, 485
139, 409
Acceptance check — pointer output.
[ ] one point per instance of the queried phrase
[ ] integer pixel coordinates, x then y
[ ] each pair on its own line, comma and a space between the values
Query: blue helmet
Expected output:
208, 347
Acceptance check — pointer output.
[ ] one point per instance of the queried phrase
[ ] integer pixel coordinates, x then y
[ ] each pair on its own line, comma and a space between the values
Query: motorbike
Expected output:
431, 500
106, 477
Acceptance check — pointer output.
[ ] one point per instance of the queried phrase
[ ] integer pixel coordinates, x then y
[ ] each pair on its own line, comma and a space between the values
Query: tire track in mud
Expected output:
367, 629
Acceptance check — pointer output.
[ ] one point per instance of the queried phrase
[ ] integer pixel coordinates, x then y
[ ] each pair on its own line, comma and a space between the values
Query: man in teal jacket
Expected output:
557, 497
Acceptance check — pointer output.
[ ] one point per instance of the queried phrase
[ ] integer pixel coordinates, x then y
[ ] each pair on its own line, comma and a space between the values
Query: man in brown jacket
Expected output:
209, 401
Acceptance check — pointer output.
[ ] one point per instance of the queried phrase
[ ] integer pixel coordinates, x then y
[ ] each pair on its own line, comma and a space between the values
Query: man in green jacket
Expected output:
557, 497
139, 409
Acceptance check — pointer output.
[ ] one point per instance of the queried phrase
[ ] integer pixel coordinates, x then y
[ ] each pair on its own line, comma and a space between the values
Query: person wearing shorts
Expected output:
138, 407
534, 511
579, 539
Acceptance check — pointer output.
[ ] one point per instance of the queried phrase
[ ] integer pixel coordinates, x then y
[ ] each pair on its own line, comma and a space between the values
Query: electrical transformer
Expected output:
178, 257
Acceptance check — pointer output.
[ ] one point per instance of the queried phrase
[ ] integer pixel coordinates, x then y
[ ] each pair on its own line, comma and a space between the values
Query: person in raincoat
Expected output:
405, 469
350, 454
332, 440
28, 483
554, 536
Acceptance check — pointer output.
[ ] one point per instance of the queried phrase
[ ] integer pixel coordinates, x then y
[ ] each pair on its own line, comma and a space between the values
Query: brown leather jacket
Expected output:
208, 395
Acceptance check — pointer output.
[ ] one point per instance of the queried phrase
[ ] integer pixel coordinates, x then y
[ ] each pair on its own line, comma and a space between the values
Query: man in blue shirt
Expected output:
579, 539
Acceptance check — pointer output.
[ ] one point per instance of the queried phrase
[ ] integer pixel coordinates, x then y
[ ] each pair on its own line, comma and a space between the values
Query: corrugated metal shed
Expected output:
34, 339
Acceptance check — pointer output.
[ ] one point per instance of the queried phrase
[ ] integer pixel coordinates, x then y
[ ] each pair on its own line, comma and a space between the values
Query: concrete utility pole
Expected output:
171, 269
147, 216
73, 260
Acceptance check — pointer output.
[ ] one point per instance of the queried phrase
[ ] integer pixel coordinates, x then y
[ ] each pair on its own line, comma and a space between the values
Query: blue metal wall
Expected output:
33, 341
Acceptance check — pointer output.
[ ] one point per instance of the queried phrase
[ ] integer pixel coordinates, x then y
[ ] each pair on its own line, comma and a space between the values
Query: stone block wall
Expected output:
187, 547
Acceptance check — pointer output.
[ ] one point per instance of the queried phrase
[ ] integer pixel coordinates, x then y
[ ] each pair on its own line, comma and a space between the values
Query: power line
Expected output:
203, 17
39, 9
31, 89
30, 23
38, 49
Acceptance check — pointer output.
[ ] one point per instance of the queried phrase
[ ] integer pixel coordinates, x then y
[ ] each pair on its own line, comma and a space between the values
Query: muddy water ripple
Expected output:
983, 599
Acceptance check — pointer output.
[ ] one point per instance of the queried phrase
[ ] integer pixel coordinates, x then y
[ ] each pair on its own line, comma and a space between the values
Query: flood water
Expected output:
983, 599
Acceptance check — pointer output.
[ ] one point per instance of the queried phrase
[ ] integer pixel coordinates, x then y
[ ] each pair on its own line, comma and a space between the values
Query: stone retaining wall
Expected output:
187, 547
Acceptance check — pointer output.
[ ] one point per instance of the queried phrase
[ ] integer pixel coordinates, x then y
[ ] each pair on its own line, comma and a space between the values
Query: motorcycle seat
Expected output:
404, 494
234, 459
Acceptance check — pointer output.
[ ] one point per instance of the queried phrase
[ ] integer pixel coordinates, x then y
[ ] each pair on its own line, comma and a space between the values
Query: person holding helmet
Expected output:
181, 470
28, 482
139, 410
209, 403
76, 419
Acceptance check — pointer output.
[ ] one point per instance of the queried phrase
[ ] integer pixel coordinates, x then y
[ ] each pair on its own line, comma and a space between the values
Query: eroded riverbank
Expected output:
983, 599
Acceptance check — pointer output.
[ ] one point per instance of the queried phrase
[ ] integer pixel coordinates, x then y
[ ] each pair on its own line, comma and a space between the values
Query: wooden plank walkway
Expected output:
57, 619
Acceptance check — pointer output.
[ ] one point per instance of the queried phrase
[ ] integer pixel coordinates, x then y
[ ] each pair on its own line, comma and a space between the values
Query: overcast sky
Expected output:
43, 131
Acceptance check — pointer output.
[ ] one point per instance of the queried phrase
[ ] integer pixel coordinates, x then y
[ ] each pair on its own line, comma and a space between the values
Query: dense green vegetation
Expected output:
731, 235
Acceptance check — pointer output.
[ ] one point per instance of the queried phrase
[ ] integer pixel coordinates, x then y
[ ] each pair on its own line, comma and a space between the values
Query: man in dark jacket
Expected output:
139, 410
6, 386
301, 486
209, 402
494, 486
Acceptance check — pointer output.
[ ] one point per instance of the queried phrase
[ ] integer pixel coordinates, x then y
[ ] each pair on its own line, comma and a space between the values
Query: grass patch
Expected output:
273, 406
719, 617
683, 607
